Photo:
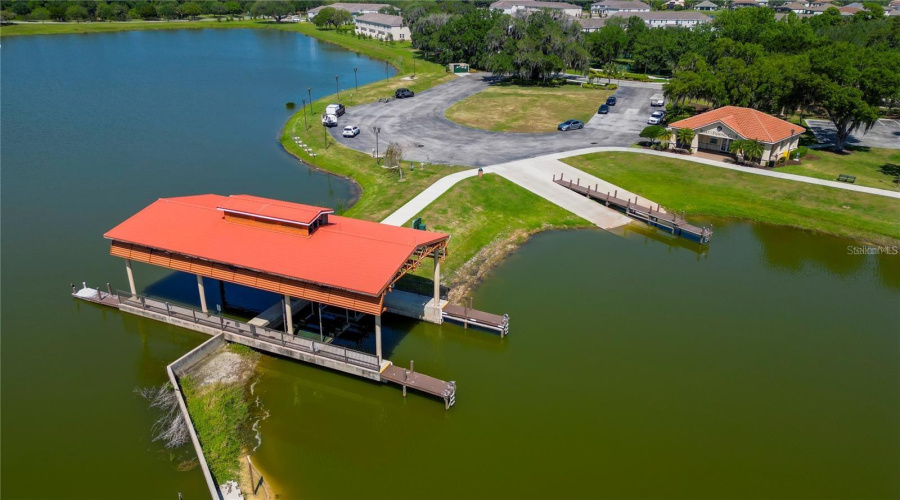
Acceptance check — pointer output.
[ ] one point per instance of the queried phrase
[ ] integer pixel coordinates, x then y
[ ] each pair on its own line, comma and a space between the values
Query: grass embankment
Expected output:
878, 168
222, 418
703, 190
494, 216
515, 108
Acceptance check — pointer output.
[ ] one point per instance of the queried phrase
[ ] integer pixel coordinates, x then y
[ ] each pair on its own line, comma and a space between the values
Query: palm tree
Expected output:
749, 149
753, 150
737, 148
685, 136
664, 136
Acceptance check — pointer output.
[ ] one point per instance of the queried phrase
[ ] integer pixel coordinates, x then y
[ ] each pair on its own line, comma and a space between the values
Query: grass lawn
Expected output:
703, 190
514, 108
488, 217
873, 167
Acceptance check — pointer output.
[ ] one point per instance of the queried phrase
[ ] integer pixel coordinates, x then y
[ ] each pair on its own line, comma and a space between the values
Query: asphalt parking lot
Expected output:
884, 134
419, 125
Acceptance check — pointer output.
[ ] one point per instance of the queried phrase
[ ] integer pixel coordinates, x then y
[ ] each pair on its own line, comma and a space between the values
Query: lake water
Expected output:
636, 366
94, 128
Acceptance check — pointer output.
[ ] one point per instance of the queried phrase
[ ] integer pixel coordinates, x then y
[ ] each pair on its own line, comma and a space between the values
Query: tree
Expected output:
57, 11
191, 10
145, 10
6, 16
329, 16
272, 8
217, 10
39, 14
20, 9
120, 12
76, 13
612, 70
105, 11
393, 155
685, 137
749, 149
850, 83
653, 132
168, 10
234, 9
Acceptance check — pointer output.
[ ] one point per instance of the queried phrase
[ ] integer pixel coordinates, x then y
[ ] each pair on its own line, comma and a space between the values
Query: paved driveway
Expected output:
884, 134
419, 125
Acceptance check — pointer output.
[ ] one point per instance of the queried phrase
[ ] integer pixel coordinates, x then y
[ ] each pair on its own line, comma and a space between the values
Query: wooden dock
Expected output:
475, 318
278, 342
420, 382
655, 217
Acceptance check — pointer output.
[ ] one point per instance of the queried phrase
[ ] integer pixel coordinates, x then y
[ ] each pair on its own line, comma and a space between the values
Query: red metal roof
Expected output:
273, 209
348, 254
746, 122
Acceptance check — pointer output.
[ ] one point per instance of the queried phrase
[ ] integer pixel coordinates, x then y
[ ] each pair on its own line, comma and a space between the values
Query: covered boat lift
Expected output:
301, 252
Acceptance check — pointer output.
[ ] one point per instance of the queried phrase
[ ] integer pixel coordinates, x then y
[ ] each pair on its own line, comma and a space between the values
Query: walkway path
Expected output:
536, 175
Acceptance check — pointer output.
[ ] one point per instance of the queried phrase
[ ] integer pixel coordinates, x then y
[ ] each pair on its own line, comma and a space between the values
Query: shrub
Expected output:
801, 151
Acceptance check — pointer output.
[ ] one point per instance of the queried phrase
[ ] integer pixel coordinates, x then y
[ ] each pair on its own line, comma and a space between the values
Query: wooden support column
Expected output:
437, 279
130, 276
202, 294
288, 315
378, 337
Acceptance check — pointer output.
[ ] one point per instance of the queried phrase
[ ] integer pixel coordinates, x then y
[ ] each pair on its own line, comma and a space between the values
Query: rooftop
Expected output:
352, 7
746, 122
621, 4
382, 19
663, 15
347, 254
706, 3
532, 4
592, 22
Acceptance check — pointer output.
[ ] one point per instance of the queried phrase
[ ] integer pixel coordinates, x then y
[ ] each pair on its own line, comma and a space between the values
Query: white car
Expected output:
656, 117
351, 131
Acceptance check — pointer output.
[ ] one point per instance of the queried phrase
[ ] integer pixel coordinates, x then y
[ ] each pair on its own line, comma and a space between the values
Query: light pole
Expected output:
337, 87
376, 131
309, 94
355, 81
305, 124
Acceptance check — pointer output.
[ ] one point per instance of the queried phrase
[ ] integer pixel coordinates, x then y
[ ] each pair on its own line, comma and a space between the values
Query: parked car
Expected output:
603, 109
351, 131
611, 101
657, 117
329, 120
657, 100
335, 109
403, 93
570, 125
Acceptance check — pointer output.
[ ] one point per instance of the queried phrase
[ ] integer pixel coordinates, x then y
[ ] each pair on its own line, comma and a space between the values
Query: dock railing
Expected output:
212, 320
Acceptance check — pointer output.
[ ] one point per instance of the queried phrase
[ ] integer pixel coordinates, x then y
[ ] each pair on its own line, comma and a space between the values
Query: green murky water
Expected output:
768, 367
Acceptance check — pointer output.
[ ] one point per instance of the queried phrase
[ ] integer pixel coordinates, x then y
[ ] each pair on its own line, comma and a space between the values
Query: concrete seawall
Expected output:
175, 370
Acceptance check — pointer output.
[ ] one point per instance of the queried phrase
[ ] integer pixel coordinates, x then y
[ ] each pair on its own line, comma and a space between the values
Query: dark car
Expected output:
570, 125
403, 93
611, 101
603, 109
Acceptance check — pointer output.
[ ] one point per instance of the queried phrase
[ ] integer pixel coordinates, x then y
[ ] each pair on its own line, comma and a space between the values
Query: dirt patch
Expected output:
224, 367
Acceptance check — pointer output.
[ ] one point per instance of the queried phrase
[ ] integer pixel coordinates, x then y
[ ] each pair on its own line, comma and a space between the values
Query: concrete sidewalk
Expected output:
536, 175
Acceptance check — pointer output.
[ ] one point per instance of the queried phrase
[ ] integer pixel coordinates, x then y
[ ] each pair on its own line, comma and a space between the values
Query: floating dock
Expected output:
475, 318
654, 217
